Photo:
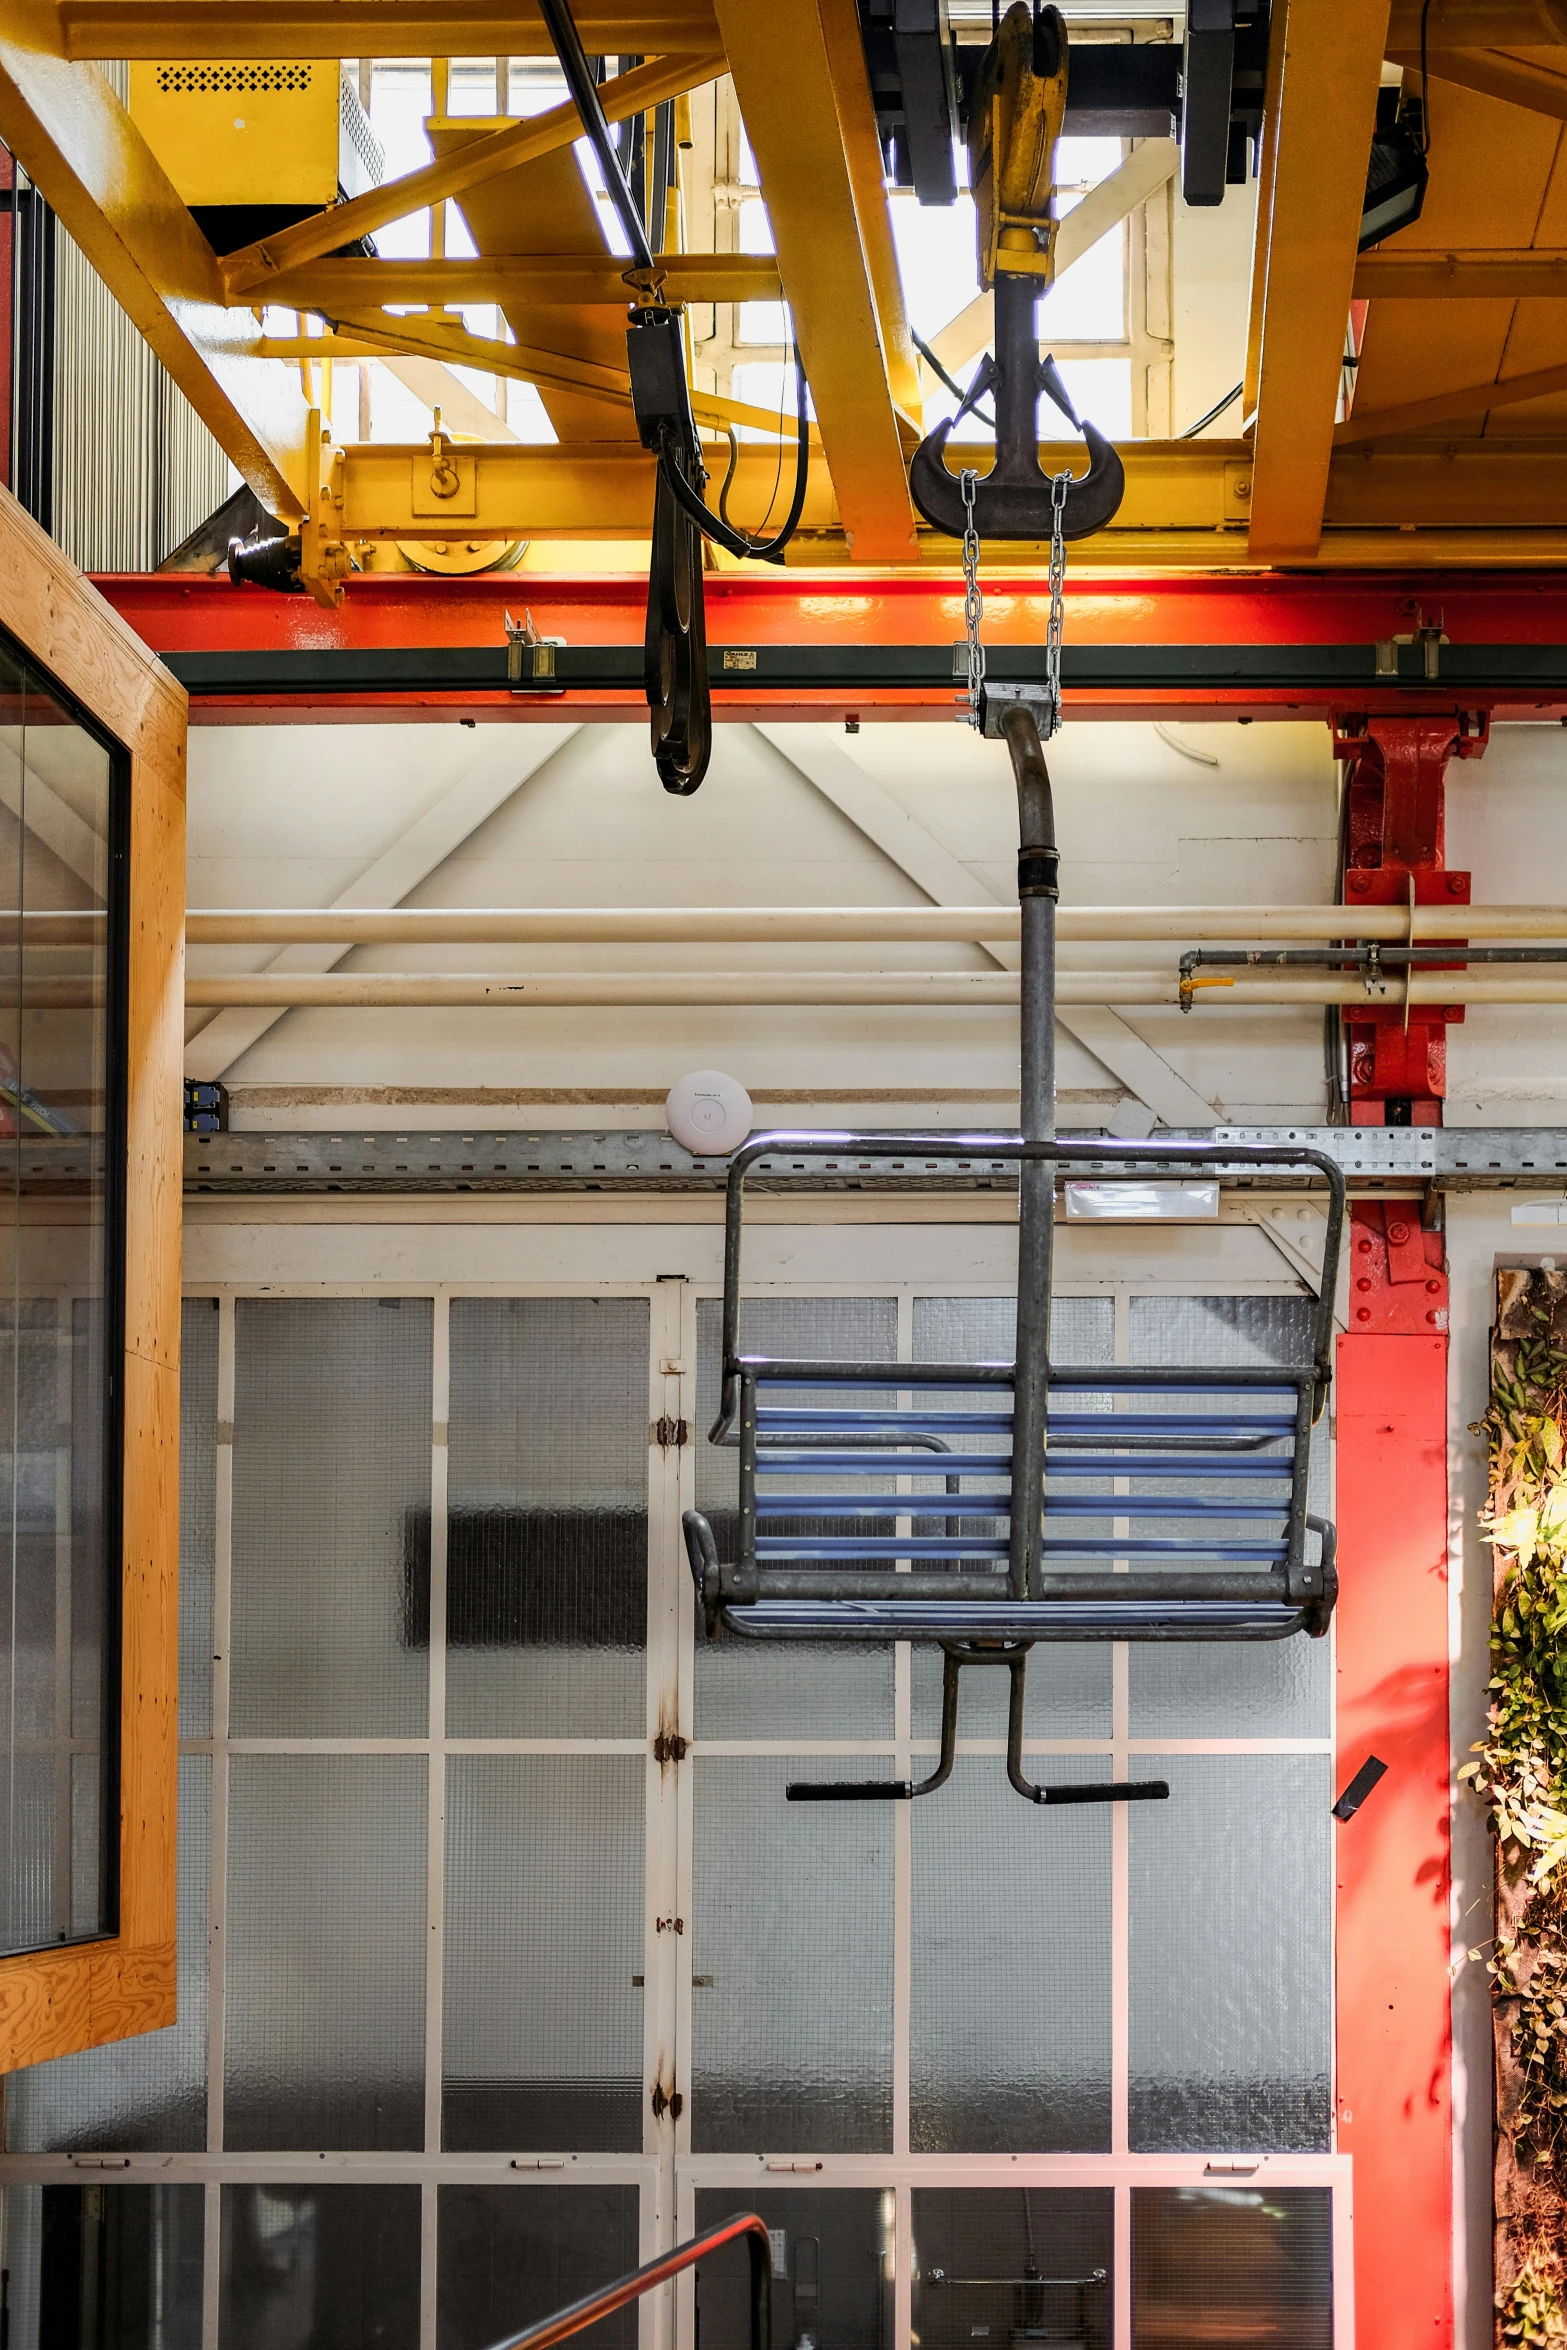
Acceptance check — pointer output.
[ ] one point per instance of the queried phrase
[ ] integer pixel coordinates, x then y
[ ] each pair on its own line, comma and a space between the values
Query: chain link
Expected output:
973, 603
1059, 484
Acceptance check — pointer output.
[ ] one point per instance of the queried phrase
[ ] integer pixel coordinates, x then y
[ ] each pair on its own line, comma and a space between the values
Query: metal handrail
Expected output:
578, 2314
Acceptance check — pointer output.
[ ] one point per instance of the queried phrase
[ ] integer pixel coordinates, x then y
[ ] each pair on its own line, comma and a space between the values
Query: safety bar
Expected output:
1128, 1162
578, 2314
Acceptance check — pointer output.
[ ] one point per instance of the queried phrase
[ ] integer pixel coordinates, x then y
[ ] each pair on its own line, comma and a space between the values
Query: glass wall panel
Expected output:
1009, 2034
795, 1689
62, 1134
1068, 1685
148, 2094
833, 2251
1280, 1688
326, 1935
103, 2267
546, 1526
509, 2256
330, 2265
1014, 2267
332, 1441
791, 2016
1232, 1954
1246, 2266
544, 1951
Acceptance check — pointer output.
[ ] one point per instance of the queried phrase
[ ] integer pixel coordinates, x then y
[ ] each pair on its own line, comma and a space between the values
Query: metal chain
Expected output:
1059, 484
973, 605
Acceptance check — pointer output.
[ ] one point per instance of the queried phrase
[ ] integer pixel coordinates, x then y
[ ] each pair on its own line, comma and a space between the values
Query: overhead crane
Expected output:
1451, 449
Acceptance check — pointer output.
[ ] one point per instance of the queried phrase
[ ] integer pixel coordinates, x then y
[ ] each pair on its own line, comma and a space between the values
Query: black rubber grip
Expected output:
1360, 1786
1038, 873
1117, 1791
849, 1790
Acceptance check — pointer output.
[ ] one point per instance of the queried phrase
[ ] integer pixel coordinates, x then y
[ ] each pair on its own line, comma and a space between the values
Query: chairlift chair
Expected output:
1006, 1563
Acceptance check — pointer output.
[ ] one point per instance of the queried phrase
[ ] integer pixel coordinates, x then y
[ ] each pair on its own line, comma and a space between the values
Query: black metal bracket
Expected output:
955, 1655
1013, 501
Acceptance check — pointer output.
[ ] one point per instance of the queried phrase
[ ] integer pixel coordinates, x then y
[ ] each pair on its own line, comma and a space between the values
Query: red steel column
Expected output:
1394, 855
1394, 2029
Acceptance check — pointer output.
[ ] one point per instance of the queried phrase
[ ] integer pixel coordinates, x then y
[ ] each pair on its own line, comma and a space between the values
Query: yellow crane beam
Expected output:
375, 28
255, 267
1187, 502
78, 145
1517, 81
1525, 273
1320, 134
1413, 416
787, 71
565, 280
1469, 24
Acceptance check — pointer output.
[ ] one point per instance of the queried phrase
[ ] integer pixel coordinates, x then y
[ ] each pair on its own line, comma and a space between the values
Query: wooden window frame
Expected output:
55, 2002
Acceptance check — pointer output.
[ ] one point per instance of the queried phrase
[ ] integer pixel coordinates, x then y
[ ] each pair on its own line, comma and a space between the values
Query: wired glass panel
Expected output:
527, 1961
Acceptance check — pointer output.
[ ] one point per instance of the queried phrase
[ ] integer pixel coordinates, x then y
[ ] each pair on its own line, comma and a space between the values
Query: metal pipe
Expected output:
769, 925
1037, 874
593, 2306
283, 990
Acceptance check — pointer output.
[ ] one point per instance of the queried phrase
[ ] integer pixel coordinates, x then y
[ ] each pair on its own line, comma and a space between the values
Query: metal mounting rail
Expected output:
579, 2314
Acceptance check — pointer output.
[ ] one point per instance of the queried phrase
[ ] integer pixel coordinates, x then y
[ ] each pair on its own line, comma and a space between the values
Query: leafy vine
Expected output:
1520, 1772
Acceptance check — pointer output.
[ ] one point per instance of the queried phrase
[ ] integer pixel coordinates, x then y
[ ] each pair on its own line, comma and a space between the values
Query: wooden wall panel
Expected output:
60, 2001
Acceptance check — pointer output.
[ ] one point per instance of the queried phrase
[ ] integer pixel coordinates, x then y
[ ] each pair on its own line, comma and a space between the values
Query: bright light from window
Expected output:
762, 322
756, 230
768, 384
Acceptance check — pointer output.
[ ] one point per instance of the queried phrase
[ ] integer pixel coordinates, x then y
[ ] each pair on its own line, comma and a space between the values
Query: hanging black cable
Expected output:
720, 532
951, 381
1218, 408
574, 65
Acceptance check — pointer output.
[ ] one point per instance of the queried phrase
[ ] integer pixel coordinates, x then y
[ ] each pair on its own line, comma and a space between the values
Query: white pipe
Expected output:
770, 925
281, 989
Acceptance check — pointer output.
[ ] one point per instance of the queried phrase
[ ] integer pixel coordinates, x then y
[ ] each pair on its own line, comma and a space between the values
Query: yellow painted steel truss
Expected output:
1416, 473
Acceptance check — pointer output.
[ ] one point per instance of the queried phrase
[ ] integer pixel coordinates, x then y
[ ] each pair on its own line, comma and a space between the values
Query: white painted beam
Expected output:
499, 772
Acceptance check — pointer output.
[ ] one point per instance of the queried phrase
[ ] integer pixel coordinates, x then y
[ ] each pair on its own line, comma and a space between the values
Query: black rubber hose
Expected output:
719, 531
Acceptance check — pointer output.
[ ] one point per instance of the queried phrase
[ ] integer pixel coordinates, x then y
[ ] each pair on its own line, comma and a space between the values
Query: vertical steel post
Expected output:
1037, 864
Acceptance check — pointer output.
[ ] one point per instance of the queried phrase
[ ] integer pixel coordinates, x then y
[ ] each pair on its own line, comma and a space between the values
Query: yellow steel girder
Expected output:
1320, 132
559, 280
796, 88
1187, 502
375, 28
1517, 274
252, 270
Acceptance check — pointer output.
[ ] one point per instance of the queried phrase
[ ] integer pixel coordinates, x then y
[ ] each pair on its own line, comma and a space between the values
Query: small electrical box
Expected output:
251, 132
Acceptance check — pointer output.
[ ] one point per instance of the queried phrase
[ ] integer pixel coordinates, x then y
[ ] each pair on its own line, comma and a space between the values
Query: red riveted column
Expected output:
1394, 847
1394, 2030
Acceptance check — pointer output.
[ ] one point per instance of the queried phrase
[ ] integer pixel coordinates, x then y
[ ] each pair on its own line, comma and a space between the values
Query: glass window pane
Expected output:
103, 2267
1232, 1954
1258, 1689
1068, 1685
61, 1130
1010, 1968
149, 2093
326, 1936
331, 1515
544, 1951
1014, 2267
198, 1509
833, 2252
512, 2255
546, 1544
1248, 2267
311, 2264
791, 2019
794, 1689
